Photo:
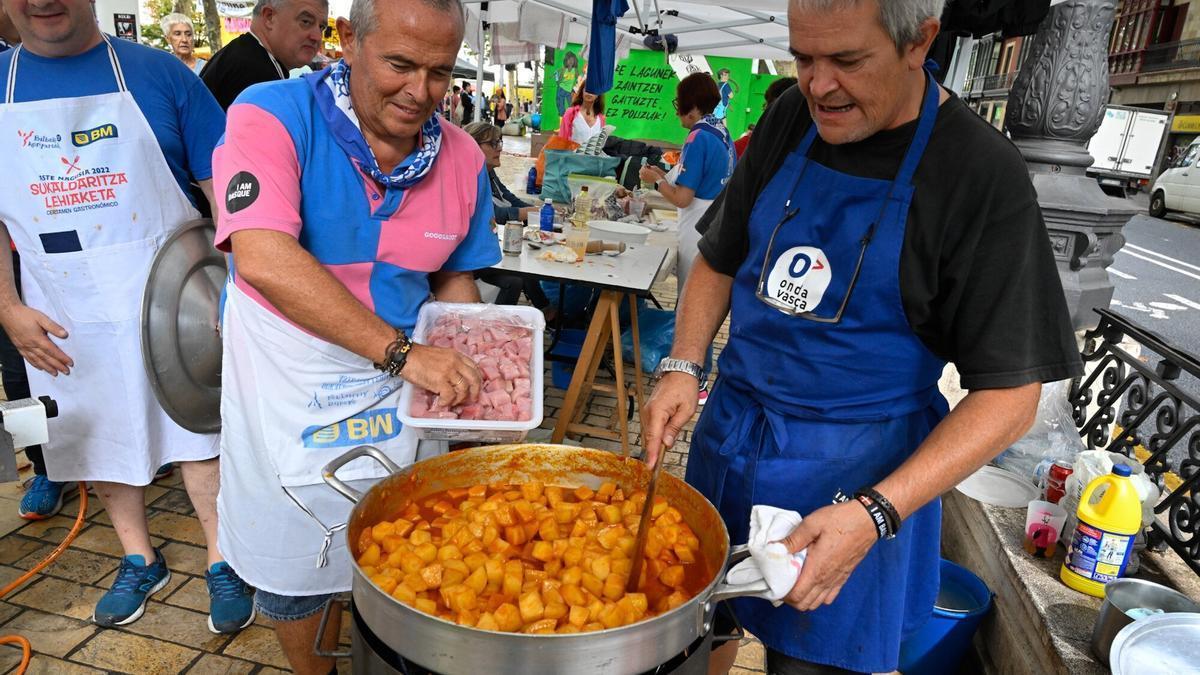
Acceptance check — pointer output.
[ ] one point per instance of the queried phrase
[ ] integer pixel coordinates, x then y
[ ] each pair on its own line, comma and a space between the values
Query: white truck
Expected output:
1127, 148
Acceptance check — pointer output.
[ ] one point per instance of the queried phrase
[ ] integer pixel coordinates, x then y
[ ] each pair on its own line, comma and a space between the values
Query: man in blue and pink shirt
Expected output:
346, 205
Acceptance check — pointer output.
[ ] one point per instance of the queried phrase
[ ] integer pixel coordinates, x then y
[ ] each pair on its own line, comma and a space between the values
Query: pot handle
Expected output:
725, 591
332, 600
328, 473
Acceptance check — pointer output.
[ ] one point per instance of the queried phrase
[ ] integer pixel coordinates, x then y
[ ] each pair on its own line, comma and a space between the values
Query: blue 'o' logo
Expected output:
807, 264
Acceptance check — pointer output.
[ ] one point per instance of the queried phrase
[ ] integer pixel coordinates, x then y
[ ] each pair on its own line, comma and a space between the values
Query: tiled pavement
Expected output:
53, 609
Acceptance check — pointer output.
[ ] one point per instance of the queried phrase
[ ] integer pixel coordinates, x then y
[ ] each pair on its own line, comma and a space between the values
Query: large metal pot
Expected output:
448, 648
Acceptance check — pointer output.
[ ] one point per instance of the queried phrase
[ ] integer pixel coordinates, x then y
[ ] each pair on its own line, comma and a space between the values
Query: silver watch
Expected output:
669, 365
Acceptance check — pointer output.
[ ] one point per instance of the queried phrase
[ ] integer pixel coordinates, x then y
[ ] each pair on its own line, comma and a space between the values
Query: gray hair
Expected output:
171, 19
901, 19
364, 21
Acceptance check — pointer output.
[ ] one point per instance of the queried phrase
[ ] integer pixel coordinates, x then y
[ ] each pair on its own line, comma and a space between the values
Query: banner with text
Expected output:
641, 102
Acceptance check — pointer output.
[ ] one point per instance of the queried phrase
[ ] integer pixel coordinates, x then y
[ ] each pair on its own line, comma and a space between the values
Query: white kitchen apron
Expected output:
88, 199
291, 403
688, 239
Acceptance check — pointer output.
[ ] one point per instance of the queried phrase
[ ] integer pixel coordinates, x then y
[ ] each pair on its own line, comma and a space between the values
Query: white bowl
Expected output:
618, 231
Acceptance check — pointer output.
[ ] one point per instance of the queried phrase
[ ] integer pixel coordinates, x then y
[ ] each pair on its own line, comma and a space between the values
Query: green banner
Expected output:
640, 104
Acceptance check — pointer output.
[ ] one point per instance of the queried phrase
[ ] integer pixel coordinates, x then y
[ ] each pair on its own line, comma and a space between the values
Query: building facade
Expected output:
991, 72
1154, 62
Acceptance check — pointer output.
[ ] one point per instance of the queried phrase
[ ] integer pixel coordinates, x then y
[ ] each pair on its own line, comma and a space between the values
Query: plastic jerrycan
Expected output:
1103, 539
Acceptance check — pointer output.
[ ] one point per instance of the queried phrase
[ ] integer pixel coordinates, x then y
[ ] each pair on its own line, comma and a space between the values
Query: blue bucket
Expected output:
938, 647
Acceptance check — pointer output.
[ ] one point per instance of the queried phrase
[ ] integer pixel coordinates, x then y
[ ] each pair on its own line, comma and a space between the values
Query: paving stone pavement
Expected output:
54, 609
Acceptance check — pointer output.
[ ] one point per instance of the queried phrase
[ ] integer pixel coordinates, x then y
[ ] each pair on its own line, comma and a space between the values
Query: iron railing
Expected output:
1157, 413
1171, 56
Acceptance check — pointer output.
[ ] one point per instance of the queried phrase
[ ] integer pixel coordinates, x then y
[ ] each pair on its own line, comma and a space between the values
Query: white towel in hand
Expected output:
769, 558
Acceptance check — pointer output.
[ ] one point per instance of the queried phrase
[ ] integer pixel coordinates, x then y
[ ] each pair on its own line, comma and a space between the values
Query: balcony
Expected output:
1171, 56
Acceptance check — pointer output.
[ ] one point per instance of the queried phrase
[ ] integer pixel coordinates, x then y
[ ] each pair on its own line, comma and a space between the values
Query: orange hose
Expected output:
26, 648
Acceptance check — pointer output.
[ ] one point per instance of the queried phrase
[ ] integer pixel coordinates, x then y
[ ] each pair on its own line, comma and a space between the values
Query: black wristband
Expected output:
888, 509
396, 355
882, 529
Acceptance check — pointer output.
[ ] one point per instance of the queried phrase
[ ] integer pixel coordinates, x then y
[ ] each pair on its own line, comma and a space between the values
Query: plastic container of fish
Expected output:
484, 431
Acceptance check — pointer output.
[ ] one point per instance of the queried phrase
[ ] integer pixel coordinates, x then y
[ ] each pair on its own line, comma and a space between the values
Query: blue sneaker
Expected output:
230, 600
44, 498
164, 471
136, 582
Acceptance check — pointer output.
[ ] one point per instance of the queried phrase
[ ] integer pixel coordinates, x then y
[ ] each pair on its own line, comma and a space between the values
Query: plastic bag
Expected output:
656, 327
1053, 436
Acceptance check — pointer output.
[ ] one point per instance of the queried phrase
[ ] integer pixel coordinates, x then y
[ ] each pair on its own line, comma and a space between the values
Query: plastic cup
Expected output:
1043, 528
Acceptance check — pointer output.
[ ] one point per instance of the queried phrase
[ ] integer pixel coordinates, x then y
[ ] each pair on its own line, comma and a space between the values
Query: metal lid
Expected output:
181, 345
1162, 644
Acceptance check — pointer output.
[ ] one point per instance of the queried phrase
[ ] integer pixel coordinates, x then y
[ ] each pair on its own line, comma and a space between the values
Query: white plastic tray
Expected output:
485, 431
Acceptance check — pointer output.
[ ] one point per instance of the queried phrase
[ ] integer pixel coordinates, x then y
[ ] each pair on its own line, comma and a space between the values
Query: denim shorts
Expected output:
289, 607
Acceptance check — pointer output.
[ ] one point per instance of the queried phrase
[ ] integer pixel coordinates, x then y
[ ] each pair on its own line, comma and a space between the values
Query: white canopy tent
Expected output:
737, 28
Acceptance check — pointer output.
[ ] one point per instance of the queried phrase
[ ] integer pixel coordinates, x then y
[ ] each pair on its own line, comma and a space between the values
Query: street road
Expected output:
1157, 279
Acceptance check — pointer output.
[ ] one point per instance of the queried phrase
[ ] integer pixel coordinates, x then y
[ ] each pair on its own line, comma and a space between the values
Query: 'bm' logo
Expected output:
89, 136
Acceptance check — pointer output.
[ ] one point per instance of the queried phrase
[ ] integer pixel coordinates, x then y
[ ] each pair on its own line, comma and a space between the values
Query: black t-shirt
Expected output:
236, 66
977, 275
468, 106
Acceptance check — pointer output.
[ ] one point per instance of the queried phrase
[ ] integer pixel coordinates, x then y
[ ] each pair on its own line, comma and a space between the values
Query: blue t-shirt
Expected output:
182, 113
707, 163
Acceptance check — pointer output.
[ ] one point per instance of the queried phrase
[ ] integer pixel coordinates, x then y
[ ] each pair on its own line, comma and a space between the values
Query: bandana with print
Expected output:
331, 86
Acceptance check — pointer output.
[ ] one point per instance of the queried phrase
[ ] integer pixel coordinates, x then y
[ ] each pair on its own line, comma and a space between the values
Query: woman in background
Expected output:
705, 164
508, 207
180, 36
584, 119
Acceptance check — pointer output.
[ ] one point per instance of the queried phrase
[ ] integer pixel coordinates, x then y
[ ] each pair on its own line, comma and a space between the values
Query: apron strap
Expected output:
116, 65
10, 87
916, 148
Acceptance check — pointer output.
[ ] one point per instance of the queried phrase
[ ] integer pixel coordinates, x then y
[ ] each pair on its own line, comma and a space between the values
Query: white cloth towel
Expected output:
508, 48
474, 32
769, 558
543, 25
624, 44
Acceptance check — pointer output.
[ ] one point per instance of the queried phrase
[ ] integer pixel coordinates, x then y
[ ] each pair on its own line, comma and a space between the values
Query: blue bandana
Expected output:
331, 87
716, 126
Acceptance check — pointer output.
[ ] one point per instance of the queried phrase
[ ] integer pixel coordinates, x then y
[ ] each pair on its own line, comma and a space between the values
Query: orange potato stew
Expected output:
533, 558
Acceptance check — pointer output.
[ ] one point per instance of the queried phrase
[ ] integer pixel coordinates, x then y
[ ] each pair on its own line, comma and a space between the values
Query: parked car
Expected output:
1178, 188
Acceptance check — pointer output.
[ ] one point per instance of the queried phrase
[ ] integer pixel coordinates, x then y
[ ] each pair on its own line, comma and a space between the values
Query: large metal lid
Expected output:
181, 345
1162, 644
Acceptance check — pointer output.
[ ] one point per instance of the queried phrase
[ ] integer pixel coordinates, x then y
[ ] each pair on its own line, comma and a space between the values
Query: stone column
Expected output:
1054, 108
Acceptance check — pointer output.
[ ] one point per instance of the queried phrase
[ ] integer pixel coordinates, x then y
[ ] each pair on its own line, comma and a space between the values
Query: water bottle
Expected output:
547, 215
531, 182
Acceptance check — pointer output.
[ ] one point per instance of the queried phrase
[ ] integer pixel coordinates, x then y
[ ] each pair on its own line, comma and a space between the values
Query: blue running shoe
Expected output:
44, 498
136, 582
230, 600
164, 471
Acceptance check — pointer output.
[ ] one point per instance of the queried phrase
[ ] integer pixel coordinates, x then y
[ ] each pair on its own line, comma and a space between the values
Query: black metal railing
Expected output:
1159, 412
1171, 56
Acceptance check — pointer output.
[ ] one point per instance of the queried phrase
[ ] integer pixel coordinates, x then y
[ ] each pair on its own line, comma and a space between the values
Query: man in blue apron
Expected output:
875, 229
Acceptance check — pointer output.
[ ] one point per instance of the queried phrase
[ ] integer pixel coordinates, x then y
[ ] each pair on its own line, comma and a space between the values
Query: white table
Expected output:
628, 275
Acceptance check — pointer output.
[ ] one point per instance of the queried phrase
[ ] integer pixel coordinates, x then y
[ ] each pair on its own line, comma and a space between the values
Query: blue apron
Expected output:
804, 409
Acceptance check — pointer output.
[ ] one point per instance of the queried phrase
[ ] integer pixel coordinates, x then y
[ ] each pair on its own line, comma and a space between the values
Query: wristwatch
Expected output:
657, 183
669, 365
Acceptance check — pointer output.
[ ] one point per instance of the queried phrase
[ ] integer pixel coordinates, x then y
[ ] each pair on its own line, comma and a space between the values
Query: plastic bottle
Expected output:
583, 207
1103, 539
531, 182
547, 216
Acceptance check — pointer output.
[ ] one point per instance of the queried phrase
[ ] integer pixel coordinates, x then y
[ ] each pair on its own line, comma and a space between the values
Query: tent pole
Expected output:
483, 13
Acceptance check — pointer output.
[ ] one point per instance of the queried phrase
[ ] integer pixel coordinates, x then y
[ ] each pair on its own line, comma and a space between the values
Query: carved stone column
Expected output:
1054, 107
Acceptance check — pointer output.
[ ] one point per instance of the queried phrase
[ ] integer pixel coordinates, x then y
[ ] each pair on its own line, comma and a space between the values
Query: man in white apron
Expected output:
101, 137
345, 202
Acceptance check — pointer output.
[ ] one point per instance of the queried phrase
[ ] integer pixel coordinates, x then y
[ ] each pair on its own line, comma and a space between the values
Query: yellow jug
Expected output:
1104, 537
